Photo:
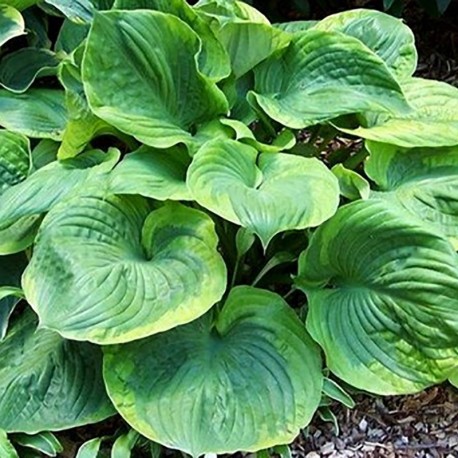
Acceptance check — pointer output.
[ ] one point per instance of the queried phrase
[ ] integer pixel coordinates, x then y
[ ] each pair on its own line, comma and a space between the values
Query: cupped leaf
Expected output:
6, 447
48, 383
105, 269
11, 269
19, 69
157, 94
213, 59
15, 159
248, 380
11, 23
45, 443
322, 75
423, 180
158, 174
78, 11
382, 298
23, 205
352, 185
38, 113
260, 191
433, 121
384, 34
230, 11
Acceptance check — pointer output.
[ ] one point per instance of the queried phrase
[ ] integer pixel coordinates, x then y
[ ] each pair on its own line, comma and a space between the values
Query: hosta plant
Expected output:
192, 237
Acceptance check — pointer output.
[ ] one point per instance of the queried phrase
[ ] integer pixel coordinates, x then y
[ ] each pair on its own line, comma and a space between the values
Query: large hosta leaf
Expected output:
15, 160
11, 23
47, 383
158, 174
322, 75
107, 270
11, 269
213, 59
38, 113
22, 205
383, 300
155, 93
265, 192
248, 380
19, 69
386, 35
423, 180
433, 121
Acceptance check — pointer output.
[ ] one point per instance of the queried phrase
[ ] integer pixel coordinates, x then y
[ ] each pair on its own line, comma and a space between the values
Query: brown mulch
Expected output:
423, 425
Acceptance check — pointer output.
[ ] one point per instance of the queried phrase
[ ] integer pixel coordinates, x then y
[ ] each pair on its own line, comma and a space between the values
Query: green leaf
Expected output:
158, 174
334, 391
6, 447
19, 69
44, 153
296, 26
385, 35
297, 90
381, 290
246, 381
156, 94
78, 11
123, 445
71, 35
38, 113
249, 43
132, 273
82, 124
433, 121
352, 185
90, 449
45, 442
279, 258
229, 11
244, 240
453, 379
258, 190
15, 159
424, 181
212, 58
11, 23
47, 383
22, 205
20, 4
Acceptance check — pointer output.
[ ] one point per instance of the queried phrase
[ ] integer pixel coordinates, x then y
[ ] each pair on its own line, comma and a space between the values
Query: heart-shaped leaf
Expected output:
248, 380
158, 174
423, 180
47, 383
382, 294
433, 121
155, 93
22, 205
213, 59
38, 113
265, 192
384, 34
105, 269
322, 75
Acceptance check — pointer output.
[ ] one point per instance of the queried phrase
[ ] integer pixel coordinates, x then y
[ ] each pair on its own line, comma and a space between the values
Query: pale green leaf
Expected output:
260, 191
433, 121
19, 69
247, 380
296, 89
424, 181
352, 185
158, 174
6, 447
382, 299
157, 94
385, 35
334, 391
47, 383
90, 449
38, 113
11, 23
123, 445
107, 270
212, 58
296, 26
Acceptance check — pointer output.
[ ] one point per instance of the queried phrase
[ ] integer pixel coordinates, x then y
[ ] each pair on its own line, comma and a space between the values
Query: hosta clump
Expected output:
166, 198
